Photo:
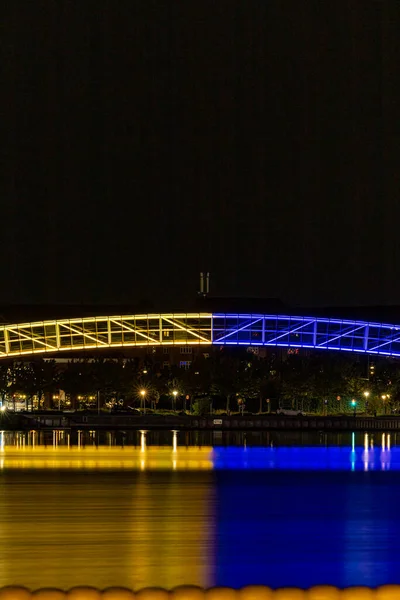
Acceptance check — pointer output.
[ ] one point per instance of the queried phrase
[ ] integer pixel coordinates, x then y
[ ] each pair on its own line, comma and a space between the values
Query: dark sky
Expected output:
145, 141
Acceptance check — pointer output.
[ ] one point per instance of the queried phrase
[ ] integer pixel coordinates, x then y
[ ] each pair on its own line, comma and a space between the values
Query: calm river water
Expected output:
209, 509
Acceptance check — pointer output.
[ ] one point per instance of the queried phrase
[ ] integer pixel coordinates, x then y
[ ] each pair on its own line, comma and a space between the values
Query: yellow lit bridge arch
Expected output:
104, 332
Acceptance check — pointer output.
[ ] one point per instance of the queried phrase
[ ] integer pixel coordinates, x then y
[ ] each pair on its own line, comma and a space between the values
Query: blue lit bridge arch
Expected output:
307, 332
198, 329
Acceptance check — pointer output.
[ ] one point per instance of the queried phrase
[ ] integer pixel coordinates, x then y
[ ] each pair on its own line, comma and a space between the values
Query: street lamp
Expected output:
143, 395
366, 394
174, 393
354, 405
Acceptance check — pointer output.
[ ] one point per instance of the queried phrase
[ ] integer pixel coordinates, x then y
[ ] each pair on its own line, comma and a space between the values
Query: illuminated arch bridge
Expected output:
198, 329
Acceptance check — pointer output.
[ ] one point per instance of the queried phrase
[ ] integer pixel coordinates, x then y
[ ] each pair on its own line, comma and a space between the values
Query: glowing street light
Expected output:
384, 397
366, 394
143, 396
354, 405
174, 394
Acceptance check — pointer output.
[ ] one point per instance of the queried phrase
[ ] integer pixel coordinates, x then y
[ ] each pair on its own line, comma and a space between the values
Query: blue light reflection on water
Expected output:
307, 458
304, 516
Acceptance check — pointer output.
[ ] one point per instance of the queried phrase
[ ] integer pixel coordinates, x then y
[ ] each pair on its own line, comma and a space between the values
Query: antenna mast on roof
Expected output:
204, 284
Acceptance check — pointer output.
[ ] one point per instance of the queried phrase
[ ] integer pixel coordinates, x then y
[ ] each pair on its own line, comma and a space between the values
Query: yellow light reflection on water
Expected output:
106, 516
104, 457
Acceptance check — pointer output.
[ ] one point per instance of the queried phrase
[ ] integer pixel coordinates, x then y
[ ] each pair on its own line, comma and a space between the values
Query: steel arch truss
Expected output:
104, 332
306, 332
198, 329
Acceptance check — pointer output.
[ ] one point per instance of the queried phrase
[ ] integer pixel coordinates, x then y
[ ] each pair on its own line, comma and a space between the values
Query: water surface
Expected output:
122, 510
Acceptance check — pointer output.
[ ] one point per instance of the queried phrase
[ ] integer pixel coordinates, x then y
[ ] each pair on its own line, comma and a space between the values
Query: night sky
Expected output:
146, 141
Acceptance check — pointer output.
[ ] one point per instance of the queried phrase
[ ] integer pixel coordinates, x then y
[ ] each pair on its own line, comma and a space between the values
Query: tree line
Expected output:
226, 380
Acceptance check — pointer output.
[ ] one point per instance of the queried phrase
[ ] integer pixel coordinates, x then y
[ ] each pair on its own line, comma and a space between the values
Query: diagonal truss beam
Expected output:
22, 334
180, 326
246, 326
84, 334
393, 339
133, 330
289, 331
341, 335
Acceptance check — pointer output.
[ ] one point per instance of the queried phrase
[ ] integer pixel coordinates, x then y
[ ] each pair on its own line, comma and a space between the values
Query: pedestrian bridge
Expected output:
198, 329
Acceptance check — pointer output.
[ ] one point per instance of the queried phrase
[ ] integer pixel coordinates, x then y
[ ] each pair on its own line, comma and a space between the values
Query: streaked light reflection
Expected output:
27, 450
365, 453
174, 441
143, 441
106, 529
154, 458
353, 451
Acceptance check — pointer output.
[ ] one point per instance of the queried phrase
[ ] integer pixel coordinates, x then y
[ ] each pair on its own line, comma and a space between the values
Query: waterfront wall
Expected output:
246, 422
